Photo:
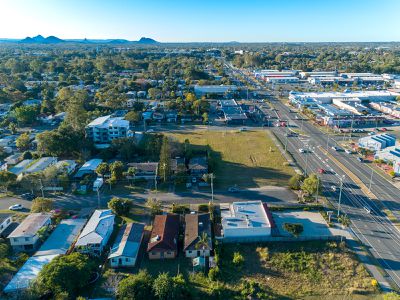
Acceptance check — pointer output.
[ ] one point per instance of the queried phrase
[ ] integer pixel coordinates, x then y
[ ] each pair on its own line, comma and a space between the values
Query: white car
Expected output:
150, 130
16, 207
301, 150
243, 129
348, 151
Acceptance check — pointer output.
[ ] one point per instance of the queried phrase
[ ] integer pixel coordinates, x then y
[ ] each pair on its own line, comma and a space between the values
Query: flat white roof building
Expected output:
88, 167
104, 129
246, 221
214, 89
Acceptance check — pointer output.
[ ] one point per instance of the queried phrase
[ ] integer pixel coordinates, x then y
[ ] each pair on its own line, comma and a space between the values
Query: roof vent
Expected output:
200, 224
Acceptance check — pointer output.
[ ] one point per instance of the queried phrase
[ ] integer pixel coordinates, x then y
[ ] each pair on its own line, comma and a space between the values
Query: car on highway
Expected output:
321, 171
28, 196
150, 130
348, 151
360, 159
367, 209
301, 150
16, 207
335, 148
371, 133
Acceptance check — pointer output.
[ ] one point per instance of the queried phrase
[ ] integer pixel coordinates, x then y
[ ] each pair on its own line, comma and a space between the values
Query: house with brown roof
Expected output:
164, 237
26, 236
145, 170
197, 235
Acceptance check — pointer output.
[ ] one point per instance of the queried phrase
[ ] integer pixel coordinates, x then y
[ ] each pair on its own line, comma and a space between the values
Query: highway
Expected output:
368, 222
373, 229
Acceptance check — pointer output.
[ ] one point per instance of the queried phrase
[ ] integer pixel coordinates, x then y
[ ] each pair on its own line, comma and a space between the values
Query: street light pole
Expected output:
316, 198
340, 195
305, 171
327, 143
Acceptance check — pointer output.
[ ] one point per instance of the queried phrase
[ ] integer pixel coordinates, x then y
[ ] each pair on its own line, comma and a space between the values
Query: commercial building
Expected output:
197, 226
164, 237
377, 142
390, 108
246, 222
282, 80
26, 236
126, 247
318, 74
232, 112
58, 243
104, 129
95, 235
221, 90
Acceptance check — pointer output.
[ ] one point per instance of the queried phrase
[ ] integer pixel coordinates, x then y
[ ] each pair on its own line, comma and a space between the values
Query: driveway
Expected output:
6, 202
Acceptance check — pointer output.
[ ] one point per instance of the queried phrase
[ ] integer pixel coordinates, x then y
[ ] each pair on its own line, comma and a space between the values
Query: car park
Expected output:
16, 207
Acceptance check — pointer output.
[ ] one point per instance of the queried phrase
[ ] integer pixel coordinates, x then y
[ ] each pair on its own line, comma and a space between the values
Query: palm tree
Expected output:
202, 243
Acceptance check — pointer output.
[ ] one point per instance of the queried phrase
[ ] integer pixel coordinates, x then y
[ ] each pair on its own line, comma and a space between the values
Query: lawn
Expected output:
247, 159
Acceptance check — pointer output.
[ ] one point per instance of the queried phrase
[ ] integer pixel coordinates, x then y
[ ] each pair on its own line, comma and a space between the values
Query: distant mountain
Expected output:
147, 41
39, 39
118, 41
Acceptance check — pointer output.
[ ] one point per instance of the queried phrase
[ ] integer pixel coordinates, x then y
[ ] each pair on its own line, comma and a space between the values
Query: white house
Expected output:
88, 167
197, 225
5, 221
104, 129
96, 233
246, 222
26, 236
126, 247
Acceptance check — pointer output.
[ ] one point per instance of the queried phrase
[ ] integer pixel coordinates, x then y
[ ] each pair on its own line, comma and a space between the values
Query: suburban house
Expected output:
178, 165
29, 166
197, 226
88, 168
13, 159
58, 243
248, 221
67, 166
95, 235
5, 221
198, 166
164, 237
126, 247
145, 170
26, 236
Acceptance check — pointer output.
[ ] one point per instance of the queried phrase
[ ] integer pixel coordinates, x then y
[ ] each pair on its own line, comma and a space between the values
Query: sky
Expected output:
204, 20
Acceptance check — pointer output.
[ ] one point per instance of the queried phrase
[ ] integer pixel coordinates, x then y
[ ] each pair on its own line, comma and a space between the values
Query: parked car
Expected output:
28, 196
333, 188
243, 129
16, 207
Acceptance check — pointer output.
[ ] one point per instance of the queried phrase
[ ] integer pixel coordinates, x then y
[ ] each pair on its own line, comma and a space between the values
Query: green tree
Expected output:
154, 205
76, 114
12, 127
295, 181
205, 118
65, 274
163, 286
23, 142
6, 179
26, 114
120, 207
154, 93
117, 169
102, 169
42, 205
136, 287
203, 242
293, 228
133, 117
165, 159
311, 184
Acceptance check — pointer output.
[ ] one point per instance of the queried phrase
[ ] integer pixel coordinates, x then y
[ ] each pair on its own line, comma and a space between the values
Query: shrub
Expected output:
238, 259
41, 204
293, 228
180, 209
120, 207
295, 181
213, 274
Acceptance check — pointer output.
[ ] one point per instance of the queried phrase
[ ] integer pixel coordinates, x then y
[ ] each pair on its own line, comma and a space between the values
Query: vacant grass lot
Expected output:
248, 159
311, 269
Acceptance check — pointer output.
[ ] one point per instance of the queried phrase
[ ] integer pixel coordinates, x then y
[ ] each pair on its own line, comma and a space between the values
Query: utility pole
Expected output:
316, 198
212, 187
327, 143
287, 135
41, 187
340, 195
98, 197
155, 179
351, 128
